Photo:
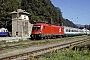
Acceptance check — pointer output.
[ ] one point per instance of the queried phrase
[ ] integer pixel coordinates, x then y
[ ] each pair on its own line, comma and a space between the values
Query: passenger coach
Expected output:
70, 31
3, 32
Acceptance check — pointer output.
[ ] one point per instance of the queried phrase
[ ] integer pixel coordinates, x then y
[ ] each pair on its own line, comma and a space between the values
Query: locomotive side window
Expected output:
36, 27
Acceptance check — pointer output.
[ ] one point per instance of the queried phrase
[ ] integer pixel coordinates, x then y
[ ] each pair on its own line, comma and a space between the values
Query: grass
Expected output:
27, 43
44, 40
67, 54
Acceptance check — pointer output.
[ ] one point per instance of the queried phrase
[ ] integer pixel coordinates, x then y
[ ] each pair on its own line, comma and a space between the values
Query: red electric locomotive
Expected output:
43, 30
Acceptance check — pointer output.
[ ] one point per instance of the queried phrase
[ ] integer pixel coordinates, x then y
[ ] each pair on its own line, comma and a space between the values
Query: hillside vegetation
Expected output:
40, 11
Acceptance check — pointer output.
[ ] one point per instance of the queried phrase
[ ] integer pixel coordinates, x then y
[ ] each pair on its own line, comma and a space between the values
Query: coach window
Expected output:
72, 31
66, 30
6, 30
69, 30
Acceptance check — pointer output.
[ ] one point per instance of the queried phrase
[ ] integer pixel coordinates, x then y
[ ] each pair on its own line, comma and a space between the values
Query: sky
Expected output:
77, 11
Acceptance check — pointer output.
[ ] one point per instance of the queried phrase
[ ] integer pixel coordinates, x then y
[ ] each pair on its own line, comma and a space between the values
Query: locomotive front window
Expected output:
36, 27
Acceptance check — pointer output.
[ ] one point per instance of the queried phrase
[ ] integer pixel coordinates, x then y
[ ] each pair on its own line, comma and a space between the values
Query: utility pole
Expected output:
50, 20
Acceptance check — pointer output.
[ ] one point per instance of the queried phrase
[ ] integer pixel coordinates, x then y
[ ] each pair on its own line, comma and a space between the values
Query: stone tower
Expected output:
21, 26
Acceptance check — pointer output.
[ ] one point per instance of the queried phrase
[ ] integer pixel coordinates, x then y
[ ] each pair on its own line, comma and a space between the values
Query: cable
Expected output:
75, 9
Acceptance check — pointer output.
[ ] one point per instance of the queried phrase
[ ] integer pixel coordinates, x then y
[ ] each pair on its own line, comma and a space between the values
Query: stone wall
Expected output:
23, 27
14, 27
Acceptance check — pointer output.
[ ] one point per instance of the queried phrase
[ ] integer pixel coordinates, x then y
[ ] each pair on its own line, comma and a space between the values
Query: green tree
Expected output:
40, 11
43, 9
7, 6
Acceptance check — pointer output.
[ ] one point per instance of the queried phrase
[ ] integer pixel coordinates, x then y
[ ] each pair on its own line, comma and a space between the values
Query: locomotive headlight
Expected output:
40, 32
32, 35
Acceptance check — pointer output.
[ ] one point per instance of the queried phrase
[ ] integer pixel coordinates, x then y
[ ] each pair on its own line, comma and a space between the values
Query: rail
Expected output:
43, 50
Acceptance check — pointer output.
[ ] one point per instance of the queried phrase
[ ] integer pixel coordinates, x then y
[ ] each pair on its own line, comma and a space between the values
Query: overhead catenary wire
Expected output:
75, 9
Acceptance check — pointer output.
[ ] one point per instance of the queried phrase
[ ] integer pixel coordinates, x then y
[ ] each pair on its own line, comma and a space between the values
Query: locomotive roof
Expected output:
47, 24
40, 23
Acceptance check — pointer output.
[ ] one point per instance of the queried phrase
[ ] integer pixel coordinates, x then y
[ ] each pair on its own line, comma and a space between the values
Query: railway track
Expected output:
42, 50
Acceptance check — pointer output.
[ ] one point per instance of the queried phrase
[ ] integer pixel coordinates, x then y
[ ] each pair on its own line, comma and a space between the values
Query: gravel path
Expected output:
11, 39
